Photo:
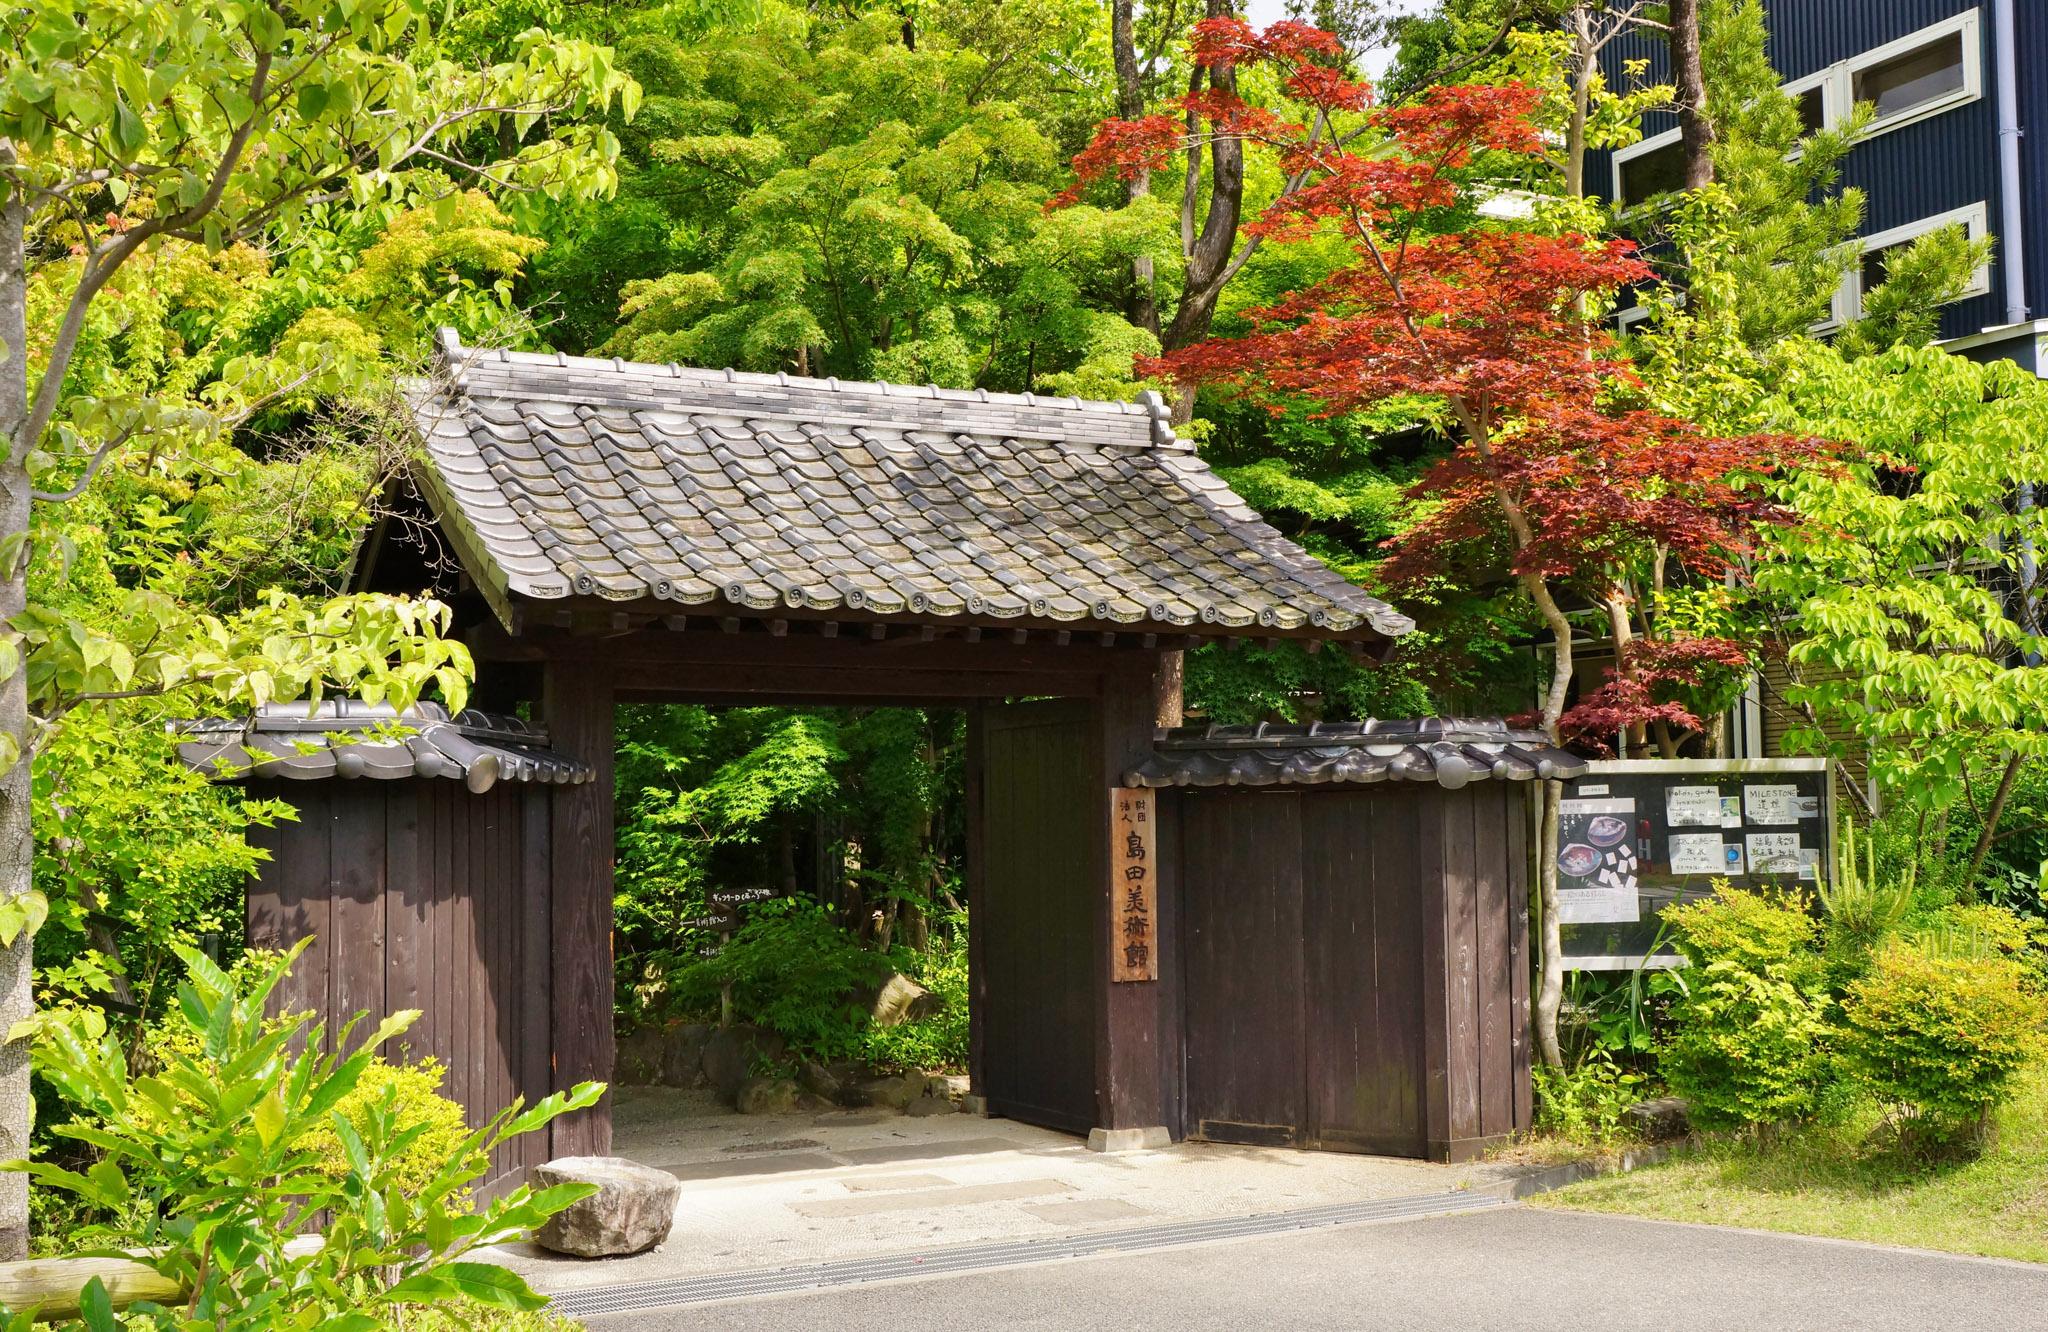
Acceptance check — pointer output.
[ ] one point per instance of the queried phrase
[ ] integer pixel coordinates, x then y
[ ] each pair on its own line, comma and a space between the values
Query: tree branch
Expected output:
92, 469
101, 266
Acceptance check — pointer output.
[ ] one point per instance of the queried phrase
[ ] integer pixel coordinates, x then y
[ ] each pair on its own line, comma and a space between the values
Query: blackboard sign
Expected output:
731, 903
1637, 835
725, 911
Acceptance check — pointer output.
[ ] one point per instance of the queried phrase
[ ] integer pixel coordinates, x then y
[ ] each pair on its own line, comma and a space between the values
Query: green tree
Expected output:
127, 127
1908, 604
834, 197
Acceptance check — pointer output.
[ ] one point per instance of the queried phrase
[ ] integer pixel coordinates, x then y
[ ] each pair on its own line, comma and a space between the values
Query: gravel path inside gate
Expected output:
783, 1190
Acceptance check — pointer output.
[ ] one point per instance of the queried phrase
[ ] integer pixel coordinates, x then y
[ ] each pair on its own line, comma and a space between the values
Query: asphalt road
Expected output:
1502, 1269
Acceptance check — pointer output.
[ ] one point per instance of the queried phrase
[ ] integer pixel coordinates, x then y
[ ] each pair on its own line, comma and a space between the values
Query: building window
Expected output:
1920, 74
1878, 249
1818, 98
1913, 79
1644, 170
1813, 109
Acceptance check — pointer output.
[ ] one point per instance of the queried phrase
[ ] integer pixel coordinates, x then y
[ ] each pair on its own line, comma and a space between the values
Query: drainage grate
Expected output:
641, 1295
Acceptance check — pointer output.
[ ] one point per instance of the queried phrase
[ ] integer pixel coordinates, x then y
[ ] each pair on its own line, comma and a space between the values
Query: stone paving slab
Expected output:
946, 1180
924, 1200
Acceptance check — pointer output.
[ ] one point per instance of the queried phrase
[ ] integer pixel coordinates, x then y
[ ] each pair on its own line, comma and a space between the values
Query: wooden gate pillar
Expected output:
576, 705
1137, 1052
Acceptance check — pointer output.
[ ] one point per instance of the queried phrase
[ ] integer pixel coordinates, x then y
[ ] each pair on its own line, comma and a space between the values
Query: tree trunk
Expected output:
1695, 130
1585, 63
1637, 736
1550, 952
1550, 983
1143, 306
1980, 852
1210, 252
1168, 682
17, 830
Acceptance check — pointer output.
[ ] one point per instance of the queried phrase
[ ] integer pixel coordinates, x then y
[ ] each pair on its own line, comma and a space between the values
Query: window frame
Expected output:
1832, 106
1640, 148
1844, 73
1976, 220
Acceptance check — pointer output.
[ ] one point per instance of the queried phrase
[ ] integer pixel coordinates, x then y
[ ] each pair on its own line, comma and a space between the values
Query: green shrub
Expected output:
1757, 932
938, 1042
1749, 1047
1863, 905
414, 1089
795, 972
1940, 1038
1586, 1104
1985, 931
411, 1093
207, 1169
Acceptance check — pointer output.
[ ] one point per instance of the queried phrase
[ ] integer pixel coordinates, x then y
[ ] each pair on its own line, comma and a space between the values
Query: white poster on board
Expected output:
1698, 853
1771, 804
1692, 806
1775, 853
1597, 861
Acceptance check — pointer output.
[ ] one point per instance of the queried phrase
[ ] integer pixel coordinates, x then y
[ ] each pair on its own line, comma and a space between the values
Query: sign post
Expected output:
1133, 885
726, 905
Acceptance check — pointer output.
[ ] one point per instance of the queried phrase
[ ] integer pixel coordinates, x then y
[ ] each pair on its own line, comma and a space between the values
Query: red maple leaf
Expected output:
1558, 476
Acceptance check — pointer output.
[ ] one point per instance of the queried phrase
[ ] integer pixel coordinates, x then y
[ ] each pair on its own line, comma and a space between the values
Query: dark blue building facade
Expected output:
1951, 89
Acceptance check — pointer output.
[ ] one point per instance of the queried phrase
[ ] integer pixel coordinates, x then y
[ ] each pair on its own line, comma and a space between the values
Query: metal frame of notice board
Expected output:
1637, 835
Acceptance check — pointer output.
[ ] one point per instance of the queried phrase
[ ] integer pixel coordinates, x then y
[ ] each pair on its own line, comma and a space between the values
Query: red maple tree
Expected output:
1560, 476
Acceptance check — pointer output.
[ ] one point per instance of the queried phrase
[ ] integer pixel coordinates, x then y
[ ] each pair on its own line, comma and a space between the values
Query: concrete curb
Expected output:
1571, 1172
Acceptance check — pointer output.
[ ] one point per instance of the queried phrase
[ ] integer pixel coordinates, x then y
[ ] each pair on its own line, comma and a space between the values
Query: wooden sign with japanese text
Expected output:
1133, 887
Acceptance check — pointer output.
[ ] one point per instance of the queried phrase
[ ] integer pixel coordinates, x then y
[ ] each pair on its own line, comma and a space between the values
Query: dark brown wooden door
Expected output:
1038, 893
1363, 895
1302, 943
1241, 945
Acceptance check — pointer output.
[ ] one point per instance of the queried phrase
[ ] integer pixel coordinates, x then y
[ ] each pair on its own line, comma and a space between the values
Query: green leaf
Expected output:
349, 1322
96, 1308
130, 134
269, 1116
483, 1283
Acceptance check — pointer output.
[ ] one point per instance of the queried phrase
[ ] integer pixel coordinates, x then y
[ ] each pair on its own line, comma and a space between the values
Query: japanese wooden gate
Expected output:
608, 532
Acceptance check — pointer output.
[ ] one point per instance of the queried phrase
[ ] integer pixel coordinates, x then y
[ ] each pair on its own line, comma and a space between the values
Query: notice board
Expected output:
1637, 835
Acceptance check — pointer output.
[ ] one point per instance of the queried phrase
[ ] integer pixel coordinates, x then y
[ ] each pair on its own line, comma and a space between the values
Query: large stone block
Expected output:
631, 1212
1663, 1120
768, 1096
887, 1093
732, 1053
901, 1000
664, 1055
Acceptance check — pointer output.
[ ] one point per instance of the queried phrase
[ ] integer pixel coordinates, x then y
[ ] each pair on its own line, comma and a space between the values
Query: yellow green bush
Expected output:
1939, 1039
416, 1100
1749, 1048
1757, 932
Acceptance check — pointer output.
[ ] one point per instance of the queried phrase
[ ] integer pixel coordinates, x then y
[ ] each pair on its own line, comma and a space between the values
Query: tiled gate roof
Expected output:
1451, 752
570, 477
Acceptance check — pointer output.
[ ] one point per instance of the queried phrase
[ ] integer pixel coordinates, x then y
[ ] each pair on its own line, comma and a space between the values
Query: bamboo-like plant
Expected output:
1862, 904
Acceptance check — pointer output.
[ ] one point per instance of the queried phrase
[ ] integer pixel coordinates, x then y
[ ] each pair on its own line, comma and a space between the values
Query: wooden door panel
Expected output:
1363, 971
1040, 894
1241, 930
